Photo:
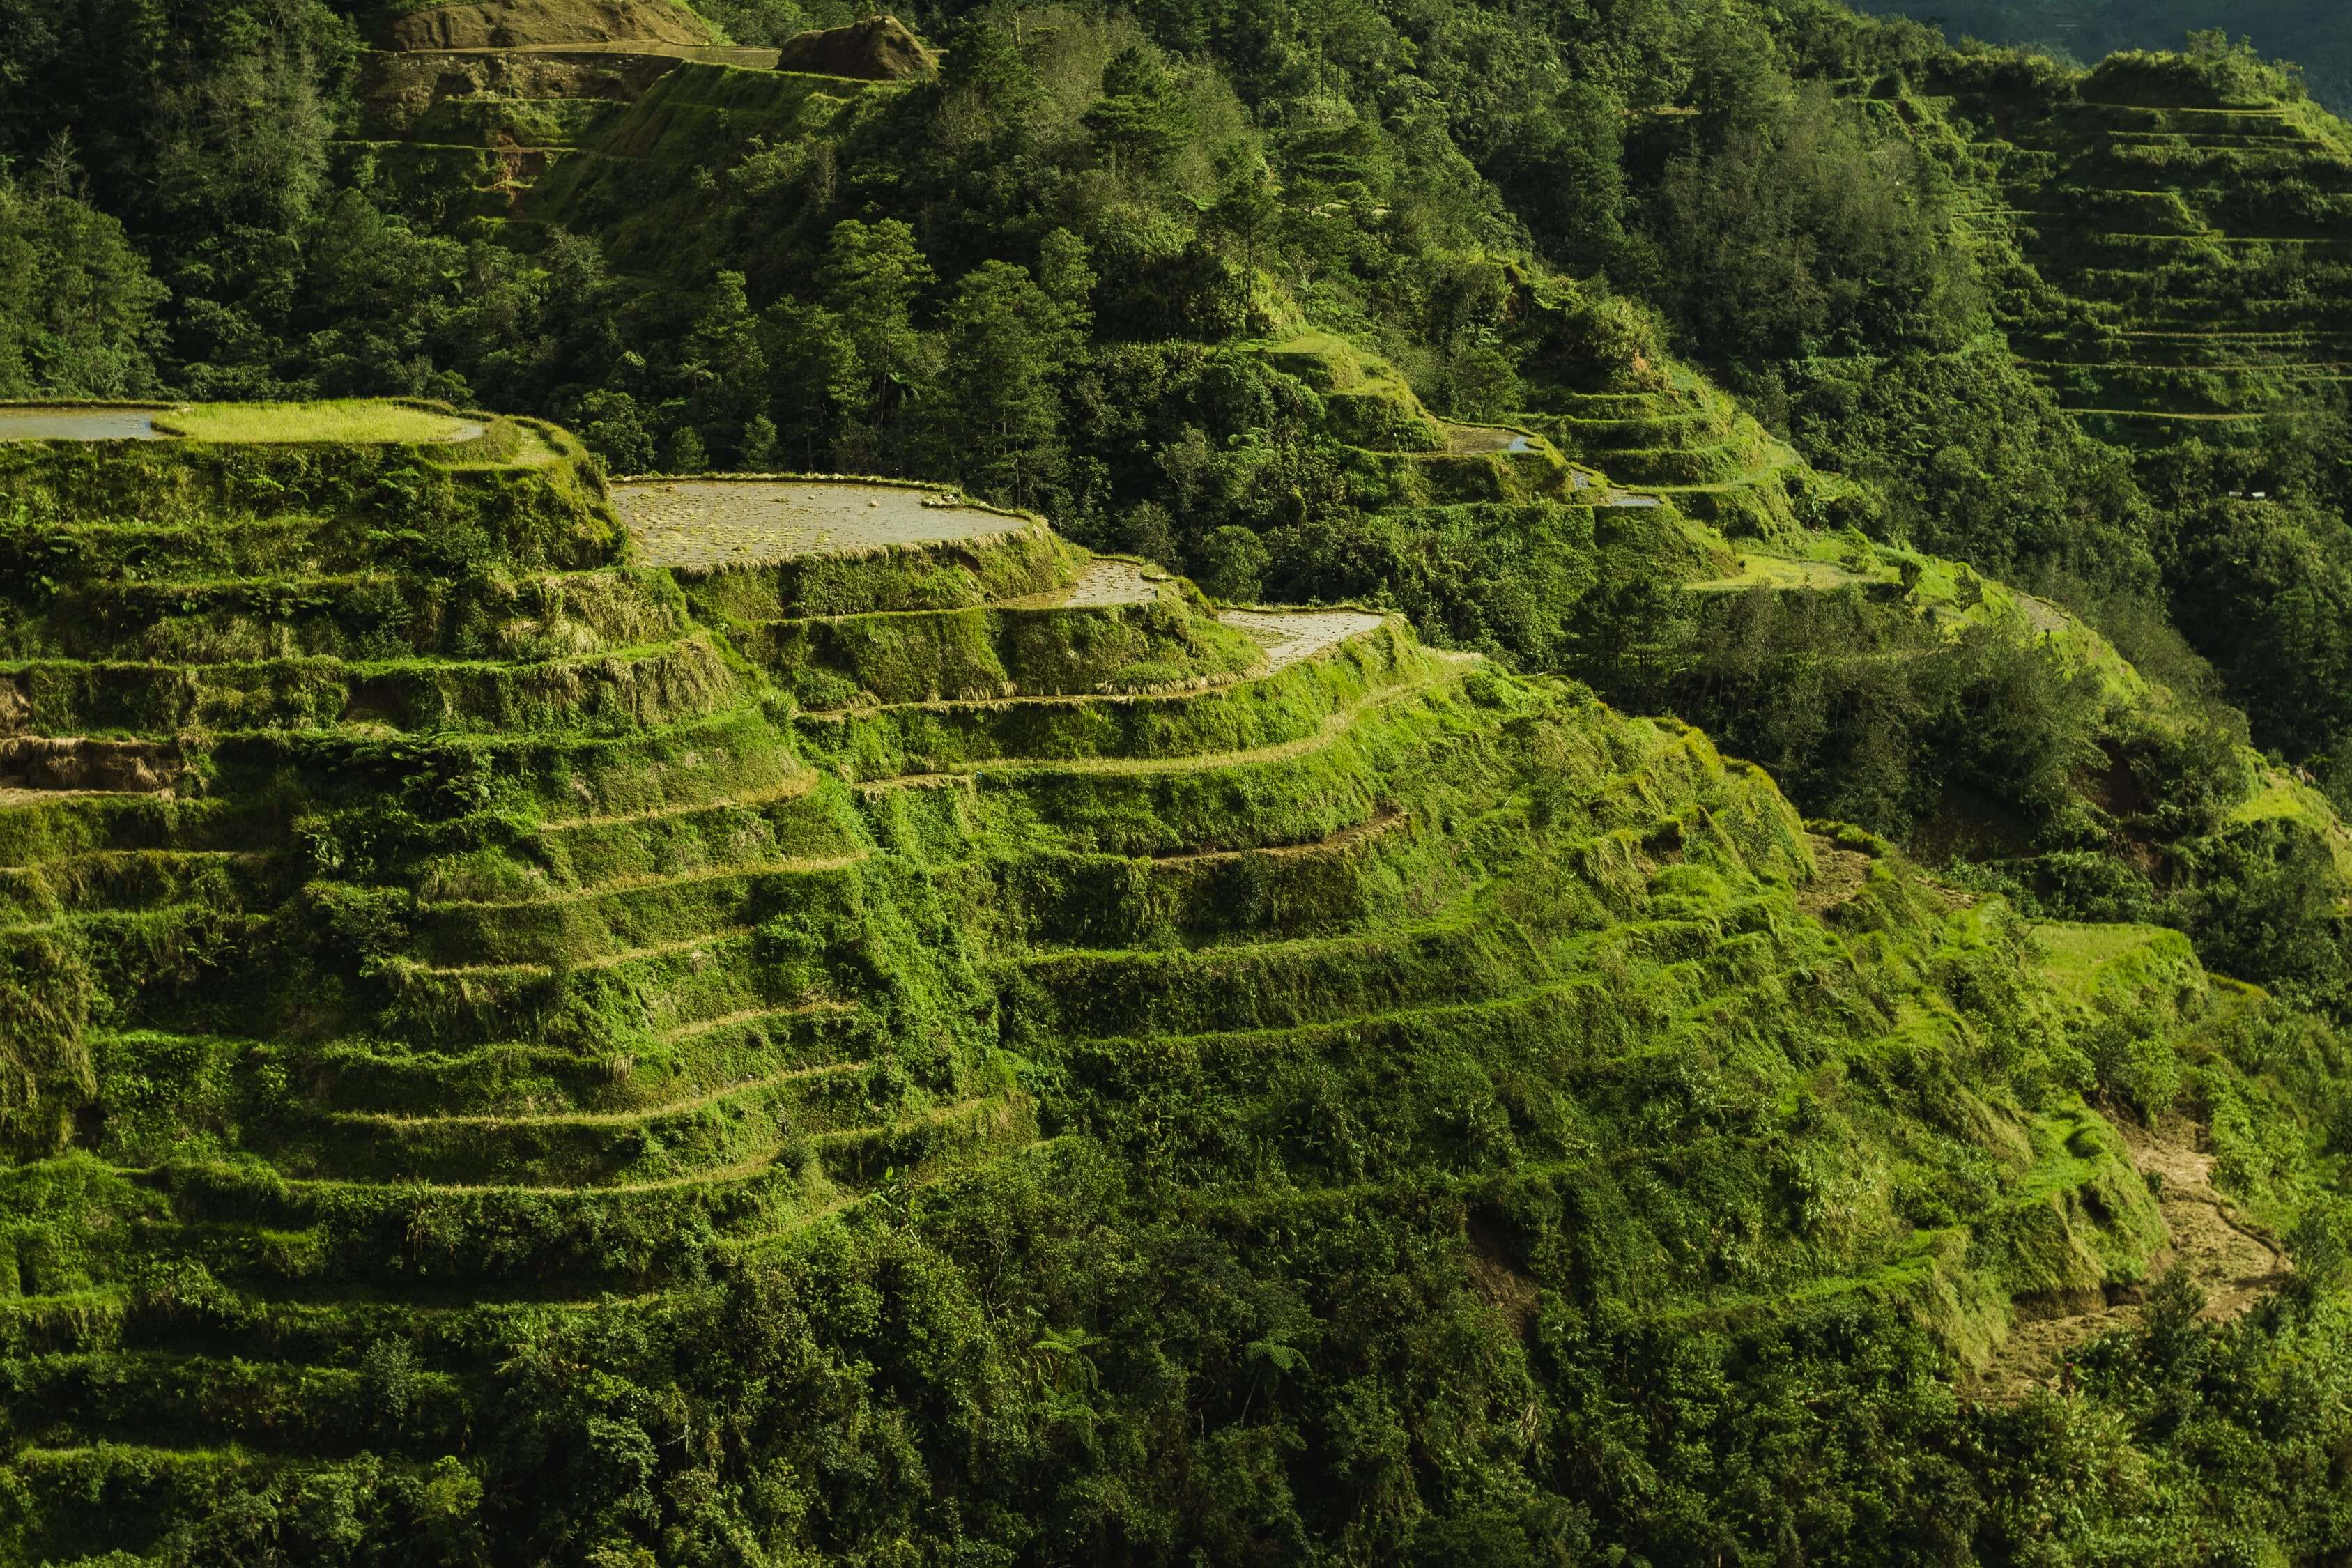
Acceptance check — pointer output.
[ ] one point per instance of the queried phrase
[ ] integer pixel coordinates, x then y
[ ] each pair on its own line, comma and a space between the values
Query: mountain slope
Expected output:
591, 947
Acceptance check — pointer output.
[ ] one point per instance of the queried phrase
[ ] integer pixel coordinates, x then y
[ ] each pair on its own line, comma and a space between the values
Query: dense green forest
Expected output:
1761, 976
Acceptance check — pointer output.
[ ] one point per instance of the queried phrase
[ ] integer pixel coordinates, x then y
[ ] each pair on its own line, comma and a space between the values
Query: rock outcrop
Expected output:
877, 48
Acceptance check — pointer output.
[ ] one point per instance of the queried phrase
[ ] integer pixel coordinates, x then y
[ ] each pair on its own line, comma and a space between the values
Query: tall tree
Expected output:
997, 416
1142, 118
872, 276
77, 304
723, 369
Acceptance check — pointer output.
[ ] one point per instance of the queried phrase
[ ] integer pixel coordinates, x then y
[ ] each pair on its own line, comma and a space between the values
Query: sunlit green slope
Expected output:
438, 930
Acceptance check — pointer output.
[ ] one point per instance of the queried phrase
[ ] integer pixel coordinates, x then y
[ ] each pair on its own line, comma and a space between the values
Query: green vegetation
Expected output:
2316, 36
352, 420
367, 1057
533, 983
1365, 784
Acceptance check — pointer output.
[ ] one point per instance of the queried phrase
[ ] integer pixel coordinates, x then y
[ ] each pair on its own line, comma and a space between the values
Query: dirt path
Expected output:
2232, 1265
2236, 1266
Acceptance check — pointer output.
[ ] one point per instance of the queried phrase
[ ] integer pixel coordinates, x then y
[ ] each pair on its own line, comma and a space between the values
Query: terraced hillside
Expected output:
1656, 455
468, 108
441, 925
628, 188
2191, 246
1660, 430
470, 111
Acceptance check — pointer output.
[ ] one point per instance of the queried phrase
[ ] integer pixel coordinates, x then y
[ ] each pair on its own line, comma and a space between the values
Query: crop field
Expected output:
362, 421
353, 421
1461, 912
718, 522
679, 972
1103, 581
1293, 634
2197, 252
69, 424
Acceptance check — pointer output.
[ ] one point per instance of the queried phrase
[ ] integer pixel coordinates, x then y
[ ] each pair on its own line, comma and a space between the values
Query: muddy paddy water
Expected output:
722, 523
79, 425
1294, 635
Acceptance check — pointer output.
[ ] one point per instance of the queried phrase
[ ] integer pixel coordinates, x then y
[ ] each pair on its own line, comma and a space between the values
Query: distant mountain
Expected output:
2315, 34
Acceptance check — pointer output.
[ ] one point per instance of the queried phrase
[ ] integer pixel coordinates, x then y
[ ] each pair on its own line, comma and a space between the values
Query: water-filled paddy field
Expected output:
717, 522
78, 425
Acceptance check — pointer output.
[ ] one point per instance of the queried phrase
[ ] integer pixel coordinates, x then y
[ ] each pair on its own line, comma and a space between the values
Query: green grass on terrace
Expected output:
1780, 572
2072, 953
2281, 796
362, 419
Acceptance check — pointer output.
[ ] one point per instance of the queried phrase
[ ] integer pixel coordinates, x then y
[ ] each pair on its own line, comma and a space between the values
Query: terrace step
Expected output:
585, 926
1334, 727
814, 1162
672, 1143
284, 1407
1312, 665
686, 1057
622, 689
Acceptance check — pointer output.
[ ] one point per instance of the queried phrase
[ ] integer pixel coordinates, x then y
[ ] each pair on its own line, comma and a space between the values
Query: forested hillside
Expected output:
1354, 782
2315, 36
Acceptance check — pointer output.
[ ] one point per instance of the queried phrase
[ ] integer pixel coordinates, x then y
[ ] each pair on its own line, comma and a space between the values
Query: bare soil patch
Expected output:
76, 765
1841, 871
1500, 1278
2234, 1265
2040, 615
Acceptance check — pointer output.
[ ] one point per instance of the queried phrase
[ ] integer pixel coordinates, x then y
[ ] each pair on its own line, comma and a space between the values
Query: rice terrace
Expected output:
1274, 787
